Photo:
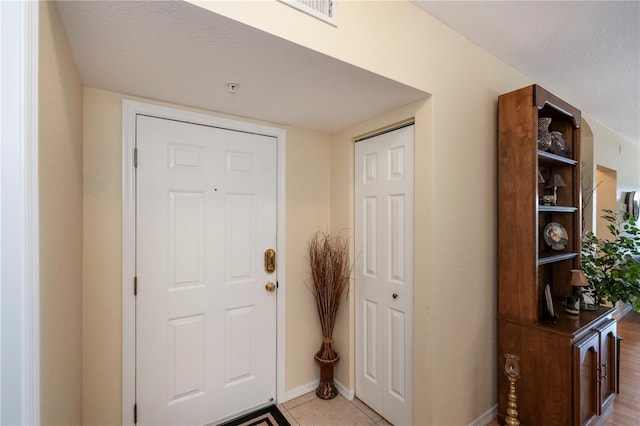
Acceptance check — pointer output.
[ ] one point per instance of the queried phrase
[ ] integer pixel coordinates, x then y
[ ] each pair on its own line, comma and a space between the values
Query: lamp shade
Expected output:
578, 278
555, 180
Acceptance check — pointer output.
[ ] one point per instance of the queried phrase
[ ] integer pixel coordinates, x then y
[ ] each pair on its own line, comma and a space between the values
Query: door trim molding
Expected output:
130, 109
19, 210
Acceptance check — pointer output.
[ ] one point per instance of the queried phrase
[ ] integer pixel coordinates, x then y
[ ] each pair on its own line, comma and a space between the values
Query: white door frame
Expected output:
19, 218
129, 111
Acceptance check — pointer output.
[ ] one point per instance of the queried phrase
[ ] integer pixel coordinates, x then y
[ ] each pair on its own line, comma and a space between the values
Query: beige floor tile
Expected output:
366, 409
333, 412
299, 400
383, 422
287, 415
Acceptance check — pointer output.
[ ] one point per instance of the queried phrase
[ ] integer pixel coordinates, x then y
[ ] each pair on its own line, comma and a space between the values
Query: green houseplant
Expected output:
612, 265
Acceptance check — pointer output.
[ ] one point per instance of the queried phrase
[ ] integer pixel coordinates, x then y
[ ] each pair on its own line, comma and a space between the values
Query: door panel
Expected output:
384, 273
370, 336
239, 339
205, 325
396, 357
239, 235
397, 260
585, 380
186, 239
608, 362
186, 357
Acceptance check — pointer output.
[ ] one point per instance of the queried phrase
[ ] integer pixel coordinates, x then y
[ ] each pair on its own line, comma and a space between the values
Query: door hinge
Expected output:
135, 413
135, 286
135, 157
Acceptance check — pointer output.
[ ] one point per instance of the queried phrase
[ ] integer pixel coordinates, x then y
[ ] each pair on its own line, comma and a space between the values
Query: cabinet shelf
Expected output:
548, 159
545, 259
557, 209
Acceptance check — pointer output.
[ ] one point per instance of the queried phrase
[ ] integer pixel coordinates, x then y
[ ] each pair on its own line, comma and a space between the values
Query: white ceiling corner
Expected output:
586, 52
177, 52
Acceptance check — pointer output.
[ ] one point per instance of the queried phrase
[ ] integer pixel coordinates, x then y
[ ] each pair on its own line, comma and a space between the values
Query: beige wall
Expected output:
455, 230
102, 274
455, 279
616, 153
308, 173
587, 177
602, 148
455, 242
307, 210
60, 199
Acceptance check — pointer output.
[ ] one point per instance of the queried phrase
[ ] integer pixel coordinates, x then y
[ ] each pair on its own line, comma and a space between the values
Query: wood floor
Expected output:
626, 406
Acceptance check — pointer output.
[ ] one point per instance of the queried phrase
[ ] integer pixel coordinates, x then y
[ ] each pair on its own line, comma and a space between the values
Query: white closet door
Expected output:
384, 273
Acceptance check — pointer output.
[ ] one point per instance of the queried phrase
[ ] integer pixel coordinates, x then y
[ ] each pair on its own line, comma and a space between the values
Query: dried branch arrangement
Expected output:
330, 273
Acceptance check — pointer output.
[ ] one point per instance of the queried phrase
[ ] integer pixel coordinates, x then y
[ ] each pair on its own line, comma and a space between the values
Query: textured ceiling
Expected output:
586, 52
176, 52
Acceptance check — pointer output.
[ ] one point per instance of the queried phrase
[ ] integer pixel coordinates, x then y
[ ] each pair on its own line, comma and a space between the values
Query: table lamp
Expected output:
553, 182
579, 282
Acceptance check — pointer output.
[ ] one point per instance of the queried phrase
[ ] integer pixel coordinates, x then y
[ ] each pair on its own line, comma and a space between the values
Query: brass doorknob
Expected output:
270, 286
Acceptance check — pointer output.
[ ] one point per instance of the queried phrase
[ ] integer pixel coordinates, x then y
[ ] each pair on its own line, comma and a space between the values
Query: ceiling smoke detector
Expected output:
233, 87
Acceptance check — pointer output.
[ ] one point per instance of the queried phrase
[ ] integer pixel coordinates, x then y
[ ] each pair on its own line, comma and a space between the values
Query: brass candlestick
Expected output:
512, 370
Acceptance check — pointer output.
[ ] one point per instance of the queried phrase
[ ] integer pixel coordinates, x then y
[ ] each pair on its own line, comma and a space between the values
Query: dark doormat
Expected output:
268, 416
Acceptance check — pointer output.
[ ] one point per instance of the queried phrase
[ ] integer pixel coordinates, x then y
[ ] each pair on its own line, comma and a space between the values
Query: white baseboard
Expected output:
486, 418
622, 309
311, 387
349, 394
299, 391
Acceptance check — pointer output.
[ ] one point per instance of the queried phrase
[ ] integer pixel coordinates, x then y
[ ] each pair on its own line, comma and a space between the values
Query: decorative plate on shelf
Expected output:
555, 236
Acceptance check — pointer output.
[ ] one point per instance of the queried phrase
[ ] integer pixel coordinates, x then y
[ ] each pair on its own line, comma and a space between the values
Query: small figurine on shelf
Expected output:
554, 182
549, 200
559, 145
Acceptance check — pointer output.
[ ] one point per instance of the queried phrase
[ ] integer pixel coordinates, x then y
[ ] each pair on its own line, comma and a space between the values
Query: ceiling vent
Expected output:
321, 9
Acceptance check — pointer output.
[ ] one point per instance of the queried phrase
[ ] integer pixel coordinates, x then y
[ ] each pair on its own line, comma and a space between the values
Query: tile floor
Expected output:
308, 410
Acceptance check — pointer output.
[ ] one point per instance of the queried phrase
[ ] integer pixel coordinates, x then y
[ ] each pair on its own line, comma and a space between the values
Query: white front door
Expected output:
384, 273
205, 322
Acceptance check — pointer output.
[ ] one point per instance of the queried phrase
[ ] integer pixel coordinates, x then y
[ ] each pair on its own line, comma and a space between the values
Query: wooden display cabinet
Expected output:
563, 357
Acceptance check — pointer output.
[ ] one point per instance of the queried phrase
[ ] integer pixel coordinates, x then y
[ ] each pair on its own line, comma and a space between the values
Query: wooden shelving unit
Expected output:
562, 356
